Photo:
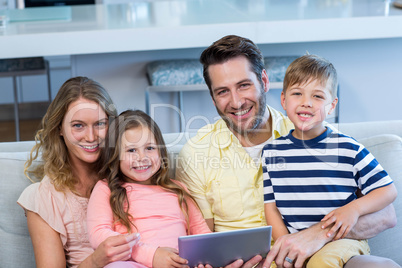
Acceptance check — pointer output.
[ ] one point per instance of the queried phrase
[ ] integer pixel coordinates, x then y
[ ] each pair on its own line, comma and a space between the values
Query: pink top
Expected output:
157, 217
65, 212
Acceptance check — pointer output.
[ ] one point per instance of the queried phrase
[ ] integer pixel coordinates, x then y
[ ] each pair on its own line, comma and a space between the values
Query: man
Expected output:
221, 164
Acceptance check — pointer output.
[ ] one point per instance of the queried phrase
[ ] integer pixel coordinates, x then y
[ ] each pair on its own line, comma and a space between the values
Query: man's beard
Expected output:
255, 123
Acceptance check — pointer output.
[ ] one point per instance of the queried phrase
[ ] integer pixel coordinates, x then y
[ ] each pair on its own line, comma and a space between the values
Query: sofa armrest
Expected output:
368, 129
387, 149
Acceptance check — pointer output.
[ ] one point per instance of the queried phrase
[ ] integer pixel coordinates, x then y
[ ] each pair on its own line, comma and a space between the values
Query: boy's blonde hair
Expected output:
309, 68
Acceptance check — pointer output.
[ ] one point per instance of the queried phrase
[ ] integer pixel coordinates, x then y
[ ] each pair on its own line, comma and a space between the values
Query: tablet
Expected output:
222, 248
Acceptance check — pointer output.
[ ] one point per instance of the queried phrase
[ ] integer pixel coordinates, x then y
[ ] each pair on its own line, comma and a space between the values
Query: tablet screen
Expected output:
222, 248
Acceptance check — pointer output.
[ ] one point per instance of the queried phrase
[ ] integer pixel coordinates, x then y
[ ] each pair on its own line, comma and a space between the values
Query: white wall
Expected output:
368, 72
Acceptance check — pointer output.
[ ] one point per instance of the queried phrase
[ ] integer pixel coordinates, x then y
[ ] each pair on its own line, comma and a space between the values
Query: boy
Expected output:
313, 173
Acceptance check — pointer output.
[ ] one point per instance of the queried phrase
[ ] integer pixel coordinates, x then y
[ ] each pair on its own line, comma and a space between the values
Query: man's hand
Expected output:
239, 263
297, 247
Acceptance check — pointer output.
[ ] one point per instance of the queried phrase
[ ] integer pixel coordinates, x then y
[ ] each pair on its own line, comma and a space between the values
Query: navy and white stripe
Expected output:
309, 179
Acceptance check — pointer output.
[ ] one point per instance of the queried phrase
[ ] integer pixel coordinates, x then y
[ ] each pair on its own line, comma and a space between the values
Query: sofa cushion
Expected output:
15, 243
174, 143
360, 130
175, 72
21, 146
388, 151
276, 67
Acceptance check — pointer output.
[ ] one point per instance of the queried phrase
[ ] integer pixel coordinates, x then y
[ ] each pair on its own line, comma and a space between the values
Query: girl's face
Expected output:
139, 155
83, 129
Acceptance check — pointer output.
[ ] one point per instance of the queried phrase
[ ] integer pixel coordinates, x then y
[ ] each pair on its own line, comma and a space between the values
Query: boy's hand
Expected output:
167, 258
343, 218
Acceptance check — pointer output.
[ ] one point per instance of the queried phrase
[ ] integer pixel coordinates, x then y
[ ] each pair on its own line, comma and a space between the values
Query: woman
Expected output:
70, 143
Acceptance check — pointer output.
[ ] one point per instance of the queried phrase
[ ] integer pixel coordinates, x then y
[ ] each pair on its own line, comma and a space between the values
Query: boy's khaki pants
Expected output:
337, 253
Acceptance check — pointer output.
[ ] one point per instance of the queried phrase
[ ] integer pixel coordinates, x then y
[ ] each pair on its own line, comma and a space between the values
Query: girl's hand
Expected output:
114, 248
167, 258
343, 218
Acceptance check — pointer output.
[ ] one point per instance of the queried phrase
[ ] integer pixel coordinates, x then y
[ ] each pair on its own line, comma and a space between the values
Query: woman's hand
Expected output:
114, 248
168, 257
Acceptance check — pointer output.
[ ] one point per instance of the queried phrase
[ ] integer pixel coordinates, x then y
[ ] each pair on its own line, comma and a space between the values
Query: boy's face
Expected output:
307, 106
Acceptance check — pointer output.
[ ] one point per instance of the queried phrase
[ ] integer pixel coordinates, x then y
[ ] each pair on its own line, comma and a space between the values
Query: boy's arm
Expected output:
345, 218
371, 224
376, 200
272, 214
274, 218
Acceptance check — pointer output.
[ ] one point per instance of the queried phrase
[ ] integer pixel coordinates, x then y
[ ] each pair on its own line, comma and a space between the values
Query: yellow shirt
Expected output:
223, 178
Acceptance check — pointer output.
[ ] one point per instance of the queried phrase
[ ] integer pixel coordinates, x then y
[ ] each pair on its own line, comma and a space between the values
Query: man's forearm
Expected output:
372, 224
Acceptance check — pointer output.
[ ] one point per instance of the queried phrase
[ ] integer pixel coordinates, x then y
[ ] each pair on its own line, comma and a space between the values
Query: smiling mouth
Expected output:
90, 147
142, 167
306, 115
243, 112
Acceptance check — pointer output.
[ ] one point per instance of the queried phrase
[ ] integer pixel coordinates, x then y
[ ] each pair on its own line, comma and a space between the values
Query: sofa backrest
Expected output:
362, 130
387, 149
15, 244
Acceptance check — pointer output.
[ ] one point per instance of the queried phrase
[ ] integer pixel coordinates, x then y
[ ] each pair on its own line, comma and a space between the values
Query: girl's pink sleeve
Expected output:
144, 253
198, 224
100, 224
100, 215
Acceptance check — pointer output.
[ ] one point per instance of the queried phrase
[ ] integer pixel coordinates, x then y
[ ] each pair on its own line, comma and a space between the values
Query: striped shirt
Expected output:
309, 178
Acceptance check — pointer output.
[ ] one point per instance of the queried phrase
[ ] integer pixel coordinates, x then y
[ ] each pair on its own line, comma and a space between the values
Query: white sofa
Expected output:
383, 139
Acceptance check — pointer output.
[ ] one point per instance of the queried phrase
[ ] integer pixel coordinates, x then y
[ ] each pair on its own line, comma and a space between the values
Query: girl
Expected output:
69, 144
138, 196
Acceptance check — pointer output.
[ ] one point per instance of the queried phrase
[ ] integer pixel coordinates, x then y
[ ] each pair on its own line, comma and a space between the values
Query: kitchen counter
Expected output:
179, 24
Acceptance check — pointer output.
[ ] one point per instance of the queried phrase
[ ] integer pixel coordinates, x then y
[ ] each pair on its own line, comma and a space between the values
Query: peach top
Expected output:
65, 212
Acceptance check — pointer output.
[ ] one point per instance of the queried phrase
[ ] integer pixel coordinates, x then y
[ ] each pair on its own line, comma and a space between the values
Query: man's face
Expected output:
238, 95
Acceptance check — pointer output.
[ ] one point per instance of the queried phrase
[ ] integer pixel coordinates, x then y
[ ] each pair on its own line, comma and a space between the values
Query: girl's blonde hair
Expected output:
111, 166
50, 145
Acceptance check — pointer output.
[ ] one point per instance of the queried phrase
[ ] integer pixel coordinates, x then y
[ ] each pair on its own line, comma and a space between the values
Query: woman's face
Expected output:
84, 129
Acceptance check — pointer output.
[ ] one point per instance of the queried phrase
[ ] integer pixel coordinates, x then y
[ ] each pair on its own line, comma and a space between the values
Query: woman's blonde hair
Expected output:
111, 166
50, 145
